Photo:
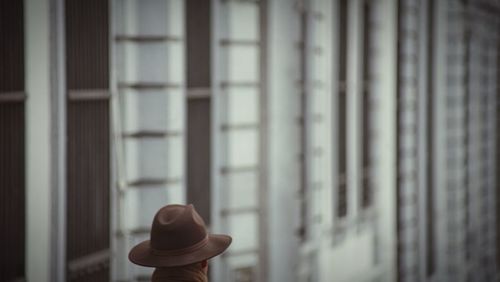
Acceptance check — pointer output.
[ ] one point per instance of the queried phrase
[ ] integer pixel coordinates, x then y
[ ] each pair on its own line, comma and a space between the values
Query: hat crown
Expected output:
176, 227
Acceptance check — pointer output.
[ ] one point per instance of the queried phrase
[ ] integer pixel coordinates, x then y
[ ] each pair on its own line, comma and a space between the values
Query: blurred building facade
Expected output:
335, 140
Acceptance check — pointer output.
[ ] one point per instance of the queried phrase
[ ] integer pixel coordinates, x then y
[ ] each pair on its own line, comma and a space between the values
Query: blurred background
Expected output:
334, 140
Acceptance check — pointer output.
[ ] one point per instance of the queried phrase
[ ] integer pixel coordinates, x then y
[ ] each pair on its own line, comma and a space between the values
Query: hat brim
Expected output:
142, 254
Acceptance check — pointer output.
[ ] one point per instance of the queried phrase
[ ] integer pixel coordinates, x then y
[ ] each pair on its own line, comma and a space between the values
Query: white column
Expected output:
387, 194
439, 139
38, 145
284, 148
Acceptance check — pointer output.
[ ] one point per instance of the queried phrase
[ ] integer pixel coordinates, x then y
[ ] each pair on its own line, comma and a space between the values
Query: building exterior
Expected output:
334, 140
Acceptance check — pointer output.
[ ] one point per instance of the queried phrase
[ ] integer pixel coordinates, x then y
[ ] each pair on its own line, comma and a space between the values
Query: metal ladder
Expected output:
148, 114
314, 89
240, 124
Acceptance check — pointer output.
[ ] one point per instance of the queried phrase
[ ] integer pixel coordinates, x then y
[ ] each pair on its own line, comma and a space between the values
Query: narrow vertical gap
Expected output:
198, 34
399, 245
366, 197
342, 111
304, 176
431, 254
263, 268
498, 153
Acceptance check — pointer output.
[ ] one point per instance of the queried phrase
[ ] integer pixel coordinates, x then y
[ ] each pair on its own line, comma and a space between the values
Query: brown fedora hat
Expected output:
178, 237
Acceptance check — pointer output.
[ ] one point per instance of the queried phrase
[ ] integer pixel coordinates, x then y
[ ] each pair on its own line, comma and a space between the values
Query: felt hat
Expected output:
178, 237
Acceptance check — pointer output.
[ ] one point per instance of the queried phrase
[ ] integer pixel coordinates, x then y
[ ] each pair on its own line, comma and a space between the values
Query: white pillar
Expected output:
284, 167
387, 193
38, 146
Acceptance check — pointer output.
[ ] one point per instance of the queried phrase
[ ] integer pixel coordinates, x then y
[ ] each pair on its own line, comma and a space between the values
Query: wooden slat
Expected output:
147, 38
239, 169
144, 182
12, 97
239, 84
239, 42
199, 93
240, 126
153, 134
89, 94
147, 85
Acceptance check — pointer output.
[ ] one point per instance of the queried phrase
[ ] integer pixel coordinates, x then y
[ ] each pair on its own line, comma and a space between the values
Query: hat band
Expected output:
182, 251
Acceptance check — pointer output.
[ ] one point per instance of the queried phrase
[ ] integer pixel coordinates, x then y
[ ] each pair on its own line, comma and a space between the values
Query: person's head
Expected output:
179, 245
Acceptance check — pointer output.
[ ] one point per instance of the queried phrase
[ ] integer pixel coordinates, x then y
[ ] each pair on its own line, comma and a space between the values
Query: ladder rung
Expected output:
316, 50
249, 84
310, 84
148, 38
140, 231
226, 212
199, 93
241, 126
140, 183
148, 85
239, 42
152, 134
249, 168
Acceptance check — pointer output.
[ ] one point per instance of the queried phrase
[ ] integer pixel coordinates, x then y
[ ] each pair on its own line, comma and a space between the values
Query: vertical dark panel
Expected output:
12, 190
366, 193
342, 111
198, 43
498, 154
11, 46
198, 155
88, 180
199, 108
431, 255
88, 171
12, 141
87, 44
399, 247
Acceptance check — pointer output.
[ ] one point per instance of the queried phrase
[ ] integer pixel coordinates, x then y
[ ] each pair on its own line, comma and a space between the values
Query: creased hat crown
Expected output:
177, 227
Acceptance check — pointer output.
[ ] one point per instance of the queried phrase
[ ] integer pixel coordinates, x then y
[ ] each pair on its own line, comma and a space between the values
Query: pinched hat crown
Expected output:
177, 227
178, 237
